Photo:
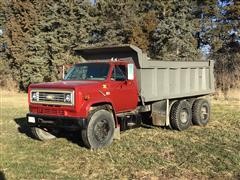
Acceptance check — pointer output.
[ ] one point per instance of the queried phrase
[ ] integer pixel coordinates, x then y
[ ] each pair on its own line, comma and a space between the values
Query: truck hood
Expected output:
64, 84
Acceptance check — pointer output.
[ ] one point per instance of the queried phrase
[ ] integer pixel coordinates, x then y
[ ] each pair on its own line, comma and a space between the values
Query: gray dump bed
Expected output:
160, 79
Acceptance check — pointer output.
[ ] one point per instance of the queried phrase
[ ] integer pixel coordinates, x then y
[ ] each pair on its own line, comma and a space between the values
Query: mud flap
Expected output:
117, 133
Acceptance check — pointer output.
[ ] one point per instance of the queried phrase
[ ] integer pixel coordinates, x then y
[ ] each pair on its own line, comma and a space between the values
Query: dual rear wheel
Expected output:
183, 114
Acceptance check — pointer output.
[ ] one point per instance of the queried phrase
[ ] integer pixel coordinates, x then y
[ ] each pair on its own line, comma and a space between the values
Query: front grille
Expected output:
52, 97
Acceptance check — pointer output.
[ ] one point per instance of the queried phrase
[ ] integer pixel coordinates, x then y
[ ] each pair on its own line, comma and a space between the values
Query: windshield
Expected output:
88, 71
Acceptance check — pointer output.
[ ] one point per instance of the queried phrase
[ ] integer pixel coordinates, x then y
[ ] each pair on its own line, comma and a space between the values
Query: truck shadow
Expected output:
74, 137
23, 127
2, 176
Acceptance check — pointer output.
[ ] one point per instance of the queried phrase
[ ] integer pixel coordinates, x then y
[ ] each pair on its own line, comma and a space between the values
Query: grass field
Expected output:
150, 153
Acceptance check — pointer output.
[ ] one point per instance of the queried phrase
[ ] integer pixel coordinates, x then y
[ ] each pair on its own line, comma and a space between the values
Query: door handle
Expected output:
128, 82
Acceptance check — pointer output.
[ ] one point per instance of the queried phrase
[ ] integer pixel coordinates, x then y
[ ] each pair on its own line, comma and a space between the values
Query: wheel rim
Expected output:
184, 116
204, 113
101, 130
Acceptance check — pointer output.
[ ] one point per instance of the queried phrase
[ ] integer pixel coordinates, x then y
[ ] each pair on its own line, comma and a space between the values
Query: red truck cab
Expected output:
108, 86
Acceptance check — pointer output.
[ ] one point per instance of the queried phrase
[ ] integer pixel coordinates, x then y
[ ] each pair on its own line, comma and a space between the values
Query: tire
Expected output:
180, 115
100, 130
191, 101
201, 112
43, 134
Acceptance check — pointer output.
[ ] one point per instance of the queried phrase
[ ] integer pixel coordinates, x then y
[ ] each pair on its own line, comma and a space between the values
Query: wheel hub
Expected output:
184, 116
101, 130
204, 113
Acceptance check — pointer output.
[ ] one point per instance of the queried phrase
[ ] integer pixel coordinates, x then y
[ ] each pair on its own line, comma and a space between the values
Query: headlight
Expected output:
68, 98
35, 96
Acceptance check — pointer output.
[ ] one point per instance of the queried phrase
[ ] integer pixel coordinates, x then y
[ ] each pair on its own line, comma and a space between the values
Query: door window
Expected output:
119, 73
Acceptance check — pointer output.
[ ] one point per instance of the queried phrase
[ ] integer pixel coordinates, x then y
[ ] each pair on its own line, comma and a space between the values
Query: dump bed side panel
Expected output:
184, 79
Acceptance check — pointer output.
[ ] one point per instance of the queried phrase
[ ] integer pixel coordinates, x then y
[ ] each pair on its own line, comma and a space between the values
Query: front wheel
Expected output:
100, 130
43, 133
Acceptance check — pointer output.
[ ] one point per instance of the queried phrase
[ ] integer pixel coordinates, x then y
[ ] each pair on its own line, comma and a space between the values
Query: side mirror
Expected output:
63, 72
130, 71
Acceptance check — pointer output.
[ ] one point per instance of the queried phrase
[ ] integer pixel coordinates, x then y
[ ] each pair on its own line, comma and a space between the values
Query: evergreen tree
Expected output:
121, 22
174, 37
111, 18
218, 23
220, 31
41, 36
2, 22
21, 17
61, 28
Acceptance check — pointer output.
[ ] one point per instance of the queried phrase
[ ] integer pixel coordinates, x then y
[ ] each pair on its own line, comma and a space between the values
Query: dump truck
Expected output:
117, 88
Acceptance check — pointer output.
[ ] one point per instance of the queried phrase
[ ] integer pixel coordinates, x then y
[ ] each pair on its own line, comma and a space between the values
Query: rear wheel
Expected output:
201, 112
180, 115
43, 133
100, 130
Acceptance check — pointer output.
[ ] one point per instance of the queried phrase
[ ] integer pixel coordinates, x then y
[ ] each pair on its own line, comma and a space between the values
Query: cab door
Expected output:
124, 92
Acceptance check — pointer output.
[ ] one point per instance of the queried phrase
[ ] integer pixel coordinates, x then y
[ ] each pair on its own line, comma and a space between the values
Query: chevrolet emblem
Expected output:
49, 97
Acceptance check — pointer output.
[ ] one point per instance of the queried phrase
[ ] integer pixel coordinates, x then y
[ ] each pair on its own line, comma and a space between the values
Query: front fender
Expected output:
89, 103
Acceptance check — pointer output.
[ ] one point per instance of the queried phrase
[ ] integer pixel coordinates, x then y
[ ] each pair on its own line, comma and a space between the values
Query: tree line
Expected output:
39, 37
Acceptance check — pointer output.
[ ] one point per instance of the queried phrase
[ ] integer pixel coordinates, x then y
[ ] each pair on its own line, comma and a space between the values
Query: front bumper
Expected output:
36, 120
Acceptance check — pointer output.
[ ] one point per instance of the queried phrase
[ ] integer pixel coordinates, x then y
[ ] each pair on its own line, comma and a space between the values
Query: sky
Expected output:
93, 1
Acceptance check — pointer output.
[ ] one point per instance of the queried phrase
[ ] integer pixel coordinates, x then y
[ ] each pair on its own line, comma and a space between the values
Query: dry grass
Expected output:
143, 153
231, 95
